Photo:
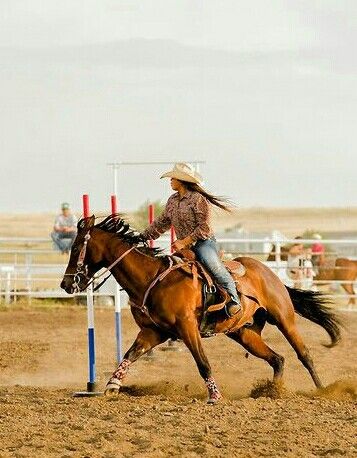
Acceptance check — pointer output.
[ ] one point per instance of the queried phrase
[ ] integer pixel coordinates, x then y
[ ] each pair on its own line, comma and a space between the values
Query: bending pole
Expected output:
91, 385
170, 343
114, 204
151, 215
117, 303
85, 200
91, 340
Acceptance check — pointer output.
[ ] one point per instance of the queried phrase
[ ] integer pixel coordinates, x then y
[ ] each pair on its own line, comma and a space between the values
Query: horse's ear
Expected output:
91, 221
86, 223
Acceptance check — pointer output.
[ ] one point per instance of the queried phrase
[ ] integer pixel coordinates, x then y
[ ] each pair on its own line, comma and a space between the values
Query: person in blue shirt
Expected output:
64, 229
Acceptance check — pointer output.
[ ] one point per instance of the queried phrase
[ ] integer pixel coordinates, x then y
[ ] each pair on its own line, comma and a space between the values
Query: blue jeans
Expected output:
63, 240
207, 254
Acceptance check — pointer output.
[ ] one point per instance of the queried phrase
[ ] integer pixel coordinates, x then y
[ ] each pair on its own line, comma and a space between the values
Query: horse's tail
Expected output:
314, 306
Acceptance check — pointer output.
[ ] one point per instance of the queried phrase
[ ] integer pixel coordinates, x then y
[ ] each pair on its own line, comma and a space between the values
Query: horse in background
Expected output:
331, 269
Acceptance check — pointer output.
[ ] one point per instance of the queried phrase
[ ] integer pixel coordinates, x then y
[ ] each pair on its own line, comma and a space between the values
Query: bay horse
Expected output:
331, 269
341, 269
174, 305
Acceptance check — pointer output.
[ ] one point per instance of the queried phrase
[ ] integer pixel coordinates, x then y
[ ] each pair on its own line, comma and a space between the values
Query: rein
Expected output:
82, 269
108, 269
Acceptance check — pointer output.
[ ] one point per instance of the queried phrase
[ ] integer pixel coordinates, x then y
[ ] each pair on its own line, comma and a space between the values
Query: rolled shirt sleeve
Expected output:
158, 226
202, 211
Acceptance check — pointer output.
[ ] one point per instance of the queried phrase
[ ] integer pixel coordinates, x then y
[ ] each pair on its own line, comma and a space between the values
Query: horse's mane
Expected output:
116, 224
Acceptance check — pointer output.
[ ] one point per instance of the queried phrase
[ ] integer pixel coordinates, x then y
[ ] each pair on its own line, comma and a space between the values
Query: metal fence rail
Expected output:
20, 278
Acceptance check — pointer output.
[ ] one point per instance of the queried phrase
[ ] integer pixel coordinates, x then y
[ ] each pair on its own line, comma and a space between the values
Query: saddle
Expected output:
214, 297
211, 291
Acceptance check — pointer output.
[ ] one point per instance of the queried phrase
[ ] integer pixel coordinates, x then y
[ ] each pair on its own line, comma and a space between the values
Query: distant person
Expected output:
308, 271
296, 258
318, 251
65, 229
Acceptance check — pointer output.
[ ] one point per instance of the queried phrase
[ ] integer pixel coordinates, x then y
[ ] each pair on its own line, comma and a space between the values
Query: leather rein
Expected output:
82, 269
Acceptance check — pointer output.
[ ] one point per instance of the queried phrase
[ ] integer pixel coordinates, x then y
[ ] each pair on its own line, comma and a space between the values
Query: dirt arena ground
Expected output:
161, 411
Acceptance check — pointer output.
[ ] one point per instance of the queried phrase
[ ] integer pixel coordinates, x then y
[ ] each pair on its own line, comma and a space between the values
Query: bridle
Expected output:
82, 269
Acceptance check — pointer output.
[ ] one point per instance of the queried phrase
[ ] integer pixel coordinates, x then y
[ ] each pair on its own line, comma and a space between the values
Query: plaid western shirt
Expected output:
190, 215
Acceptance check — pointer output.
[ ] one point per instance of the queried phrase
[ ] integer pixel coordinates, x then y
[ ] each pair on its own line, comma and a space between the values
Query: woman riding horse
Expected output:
189, 211
167, 302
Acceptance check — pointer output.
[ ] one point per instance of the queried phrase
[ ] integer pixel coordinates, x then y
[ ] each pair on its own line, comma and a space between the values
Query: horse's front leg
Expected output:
145, 341
190, 335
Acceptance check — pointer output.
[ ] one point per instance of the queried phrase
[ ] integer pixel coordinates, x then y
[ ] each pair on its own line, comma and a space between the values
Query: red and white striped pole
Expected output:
85, 200
171, 344
91, 384
151, 217
117, 301
114, 204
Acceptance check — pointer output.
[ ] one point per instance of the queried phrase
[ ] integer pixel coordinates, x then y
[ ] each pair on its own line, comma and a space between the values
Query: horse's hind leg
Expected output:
292, 335
348, 287
252, 341
145, 341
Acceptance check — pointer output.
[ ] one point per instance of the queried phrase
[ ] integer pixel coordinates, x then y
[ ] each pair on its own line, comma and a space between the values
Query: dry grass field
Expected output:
290, 221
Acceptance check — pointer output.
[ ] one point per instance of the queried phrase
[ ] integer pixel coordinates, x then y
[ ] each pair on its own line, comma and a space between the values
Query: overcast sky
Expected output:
263, 91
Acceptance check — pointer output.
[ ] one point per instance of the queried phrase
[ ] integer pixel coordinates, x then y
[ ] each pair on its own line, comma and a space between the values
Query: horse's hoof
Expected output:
111, 392
112, 388
213, 399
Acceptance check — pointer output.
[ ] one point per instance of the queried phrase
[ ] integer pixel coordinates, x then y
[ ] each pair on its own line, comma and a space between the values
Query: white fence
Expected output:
27, 272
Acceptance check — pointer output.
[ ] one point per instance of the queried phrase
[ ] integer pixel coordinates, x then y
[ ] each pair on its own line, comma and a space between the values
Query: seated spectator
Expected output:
296, 257
65, 229
308, 271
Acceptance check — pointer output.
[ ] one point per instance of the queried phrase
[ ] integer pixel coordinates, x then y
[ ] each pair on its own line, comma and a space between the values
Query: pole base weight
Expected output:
91, 386
87, 394
91, 391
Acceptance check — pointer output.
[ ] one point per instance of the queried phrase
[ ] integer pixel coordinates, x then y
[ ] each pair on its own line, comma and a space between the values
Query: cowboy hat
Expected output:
184, 172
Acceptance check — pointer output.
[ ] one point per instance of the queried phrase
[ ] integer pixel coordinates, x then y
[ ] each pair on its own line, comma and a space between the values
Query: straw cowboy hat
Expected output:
184, 172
